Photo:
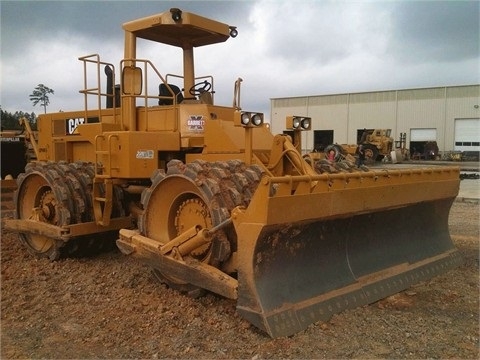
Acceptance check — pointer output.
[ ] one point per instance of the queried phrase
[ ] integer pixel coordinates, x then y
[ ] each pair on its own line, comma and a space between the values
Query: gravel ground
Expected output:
110, 306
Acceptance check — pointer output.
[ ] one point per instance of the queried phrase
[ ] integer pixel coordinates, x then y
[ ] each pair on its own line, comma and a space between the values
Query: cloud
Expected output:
284, 48
56, 65
321, 33
42, 40
435, 31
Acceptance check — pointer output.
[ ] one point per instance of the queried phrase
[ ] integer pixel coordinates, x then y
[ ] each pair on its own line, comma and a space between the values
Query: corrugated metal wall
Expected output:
399, 110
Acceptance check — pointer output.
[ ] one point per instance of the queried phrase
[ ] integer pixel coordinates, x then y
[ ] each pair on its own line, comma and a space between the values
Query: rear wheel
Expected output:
41, 197
59, 194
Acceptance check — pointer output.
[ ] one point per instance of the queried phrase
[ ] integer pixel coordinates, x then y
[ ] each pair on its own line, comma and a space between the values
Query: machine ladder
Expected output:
103, 181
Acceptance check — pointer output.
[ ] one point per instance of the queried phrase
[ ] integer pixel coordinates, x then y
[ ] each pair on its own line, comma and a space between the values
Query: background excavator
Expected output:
207, 197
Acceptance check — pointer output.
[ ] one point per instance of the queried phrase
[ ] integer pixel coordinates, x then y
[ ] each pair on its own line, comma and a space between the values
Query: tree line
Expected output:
11, 121
39, 95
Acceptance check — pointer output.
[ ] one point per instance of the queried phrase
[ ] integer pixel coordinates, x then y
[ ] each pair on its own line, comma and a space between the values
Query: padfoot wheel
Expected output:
41, 197
60, 194
199, 193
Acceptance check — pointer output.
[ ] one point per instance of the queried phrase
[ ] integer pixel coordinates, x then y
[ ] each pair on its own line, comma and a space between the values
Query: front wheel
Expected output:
173, 205
196, 194
371, 153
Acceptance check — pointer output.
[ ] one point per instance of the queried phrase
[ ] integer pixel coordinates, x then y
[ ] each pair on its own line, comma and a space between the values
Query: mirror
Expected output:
132, 80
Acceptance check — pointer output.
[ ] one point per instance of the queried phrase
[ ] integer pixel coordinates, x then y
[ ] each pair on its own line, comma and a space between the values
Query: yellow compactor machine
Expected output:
208, 198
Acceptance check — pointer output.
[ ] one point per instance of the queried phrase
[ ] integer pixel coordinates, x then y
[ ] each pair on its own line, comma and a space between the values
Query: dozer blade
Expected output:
310, 247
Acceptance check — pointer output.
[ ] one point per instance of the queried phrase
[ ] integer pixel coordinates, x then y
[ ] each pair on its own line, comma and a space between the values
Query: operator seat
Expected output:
163, 91
205, 97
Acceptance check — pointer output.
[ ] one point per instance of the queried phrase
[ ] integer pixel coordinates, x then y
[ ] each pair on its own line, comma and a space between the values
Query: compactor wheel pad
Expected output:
43, 196
198, 193
58, 194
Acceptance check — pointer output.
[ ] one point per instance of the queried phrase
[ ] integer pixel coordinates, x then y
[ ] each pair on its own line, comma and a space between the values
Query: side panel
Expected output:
134, 154
70, 136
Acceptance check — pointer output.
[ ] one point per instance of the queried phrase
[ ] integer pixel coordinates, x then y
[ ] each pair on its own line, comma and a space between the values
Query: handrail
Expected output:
236, 94
145, 95
146, 64
381, 173
97, 91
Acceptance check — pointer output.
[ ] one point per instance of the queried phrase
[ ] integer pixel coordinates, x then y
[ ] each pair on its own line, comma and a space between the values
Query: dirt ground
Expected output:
110, 306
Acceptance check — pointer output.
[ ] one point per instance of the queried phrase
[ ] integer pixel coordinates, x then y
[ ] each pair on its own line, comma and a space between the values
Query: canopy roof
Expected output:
191, 30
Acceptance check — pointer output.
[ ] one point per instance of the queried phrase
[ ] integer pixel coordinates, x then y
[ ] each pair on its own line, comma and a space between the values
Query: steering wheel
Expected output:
200, 88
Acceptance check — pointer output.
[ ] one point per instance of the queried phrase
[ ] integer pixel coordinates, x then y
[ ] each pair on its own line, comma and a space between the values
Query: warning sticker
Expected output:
144, 154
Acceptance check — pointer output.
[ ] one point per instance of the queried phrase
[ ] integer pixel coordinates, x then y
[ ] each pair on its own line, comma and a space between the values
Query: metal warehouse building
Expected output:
449, 115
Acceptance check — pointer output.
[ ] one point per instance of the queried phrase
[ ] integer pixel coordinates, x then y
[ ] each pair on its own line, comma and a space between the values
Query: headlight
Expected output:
306, 123
298, 123
245, 118
257, 119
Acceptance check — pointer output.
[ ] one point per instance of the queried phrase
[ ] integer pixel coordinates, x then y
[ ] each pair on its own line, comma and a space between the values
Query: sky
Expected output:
284, 48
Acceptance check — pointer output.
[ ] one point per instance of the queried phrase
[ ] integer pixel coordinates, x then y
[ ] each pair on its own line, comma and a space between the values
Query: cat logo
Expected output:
72, 125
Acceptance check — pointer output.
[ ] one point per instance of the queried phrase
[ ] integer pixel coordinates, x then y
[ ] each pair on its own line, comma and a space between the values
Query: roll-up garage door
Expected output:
423, 134
467, 134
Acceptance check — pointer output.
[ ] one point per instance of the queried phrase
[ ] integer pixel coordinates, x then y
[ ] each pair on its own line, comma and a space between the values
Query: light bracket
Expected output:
300, 123
248, 119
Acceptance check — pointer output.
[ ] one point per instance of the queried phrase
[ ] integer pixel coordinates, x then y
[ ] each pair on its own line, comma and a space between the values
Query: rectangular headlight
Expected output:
247, 118
298, 123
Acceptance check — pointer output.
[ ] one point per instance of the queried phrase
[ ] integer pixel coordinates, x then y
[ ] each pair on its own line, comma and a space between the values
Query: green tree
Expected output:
40, 95
10, 121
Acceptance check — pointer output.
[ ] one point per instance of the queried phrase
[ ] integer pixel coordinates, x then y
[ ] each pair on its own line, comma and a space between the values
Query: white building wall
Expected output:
422, 109
399, 110
376, 110
329, 113
281, 108
462, 103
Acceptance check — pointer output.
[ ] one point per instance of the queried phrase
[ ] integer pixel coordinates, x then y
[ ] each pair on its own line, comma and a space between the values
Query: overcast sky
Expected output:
284, 48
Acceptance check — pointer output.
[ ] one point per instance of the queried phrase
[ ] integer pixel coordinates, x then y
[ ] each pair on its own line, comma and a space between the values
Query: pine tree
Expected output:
40, 95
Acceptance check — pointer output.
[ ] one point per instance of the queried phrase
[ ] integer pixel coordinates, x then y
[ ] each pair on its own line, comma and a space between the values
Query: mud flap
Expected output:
302, 274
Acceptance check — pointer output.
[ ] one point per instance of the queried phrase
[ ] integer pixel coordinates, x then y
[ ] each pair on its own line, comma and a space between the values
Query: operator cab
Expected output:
180, 29
176, 28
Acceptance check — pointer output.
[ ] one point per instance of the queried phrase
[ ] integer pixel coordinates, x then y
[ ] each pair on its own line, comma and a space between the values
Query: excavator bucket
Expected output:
310, 247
